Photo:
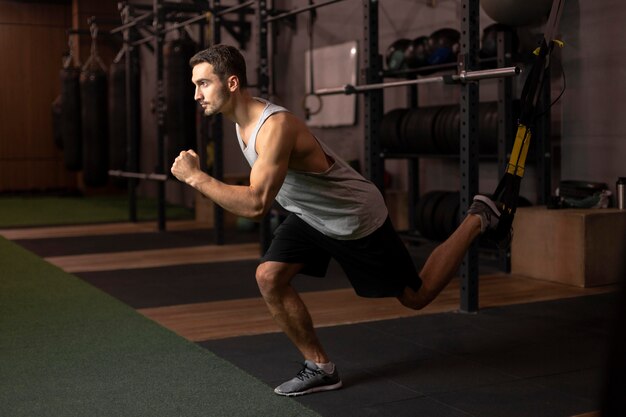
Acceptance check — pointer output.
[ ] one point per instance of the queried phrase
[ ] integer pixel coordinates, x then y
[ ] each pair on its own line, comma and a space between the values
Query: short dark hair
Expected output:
226, 61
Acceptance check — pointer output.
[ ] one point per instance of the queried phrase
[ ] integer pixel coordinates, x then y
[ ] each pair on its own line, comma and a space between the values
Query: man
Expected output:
335, 212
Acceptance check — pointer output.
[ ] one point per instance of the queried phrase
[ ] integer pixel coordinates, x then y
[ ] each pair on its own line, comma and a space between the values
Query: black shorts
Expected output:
377, 265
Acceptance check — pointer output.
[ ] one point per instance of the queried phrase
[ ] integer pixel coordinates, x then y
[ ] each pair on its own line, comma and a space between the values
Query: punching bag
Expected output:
71, 131
57, 126
118, 119
93, 91
181, 107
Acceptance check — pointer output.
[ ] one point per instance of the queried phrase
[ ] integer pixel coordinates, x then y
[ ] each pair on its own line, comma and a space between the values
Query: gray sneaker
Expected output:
488, 212
310, 379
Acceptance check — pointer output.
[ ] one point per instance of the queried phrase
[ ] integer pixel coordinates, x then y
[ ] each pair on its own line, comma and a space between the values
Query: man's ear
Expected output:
233, 83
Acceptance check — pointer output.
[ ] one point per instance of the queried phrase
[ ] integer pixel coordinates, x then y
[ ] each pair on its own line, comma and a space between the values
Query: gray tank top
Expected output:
338, 202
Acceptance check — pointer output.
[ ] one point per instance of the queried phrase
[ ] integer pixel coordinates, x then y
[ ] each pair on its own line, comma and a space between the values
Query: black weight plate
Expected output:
448, 127
428, 215
430, 144
439, 128
439, 218
450, 207
419, 211
390, 129
455, 137
420, 136
451, 145
423, 126
445, 147
401, 145
410, 135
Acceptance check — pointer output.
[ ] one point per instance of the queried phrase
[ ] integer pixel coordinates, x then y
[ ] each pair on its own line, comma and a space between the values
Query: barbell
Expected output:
462, 77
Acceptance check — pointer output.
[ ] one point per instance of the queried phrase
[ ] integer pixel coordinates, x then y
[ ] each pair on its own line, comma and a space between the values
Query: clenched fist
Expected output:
186, 165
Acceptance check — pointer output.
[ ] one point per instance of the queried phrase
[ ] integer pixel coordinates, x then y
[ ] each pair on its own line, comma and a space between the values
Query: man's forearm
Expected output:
238, 199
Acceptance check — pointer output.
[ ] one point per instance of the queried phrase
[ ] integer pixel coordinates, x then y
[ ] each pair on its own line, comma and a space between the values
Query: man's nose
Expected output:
197, 96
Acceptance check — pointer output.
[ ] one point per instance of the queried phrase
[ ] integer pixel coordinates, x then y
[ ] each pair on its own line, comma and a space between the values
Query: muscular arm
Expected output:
274, 145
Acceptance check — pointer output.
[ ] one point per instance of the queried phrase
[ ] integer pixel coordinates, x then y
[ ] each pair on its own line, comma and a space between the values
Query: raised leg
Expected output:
442, 264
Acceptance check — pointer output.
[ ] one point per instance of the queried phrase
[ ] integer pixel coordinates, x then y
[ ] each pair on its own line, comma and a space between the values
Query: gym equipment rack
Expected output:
469, 157
134, 20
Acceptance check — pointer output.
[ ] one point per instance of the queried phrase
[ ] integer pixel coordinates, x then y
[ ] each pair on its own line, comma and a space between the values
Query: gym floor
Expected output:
534, 349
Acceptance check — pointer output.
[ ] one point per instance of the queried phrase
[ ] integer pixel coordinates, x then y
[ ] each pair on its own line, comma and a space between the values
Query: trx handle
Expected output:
517, 160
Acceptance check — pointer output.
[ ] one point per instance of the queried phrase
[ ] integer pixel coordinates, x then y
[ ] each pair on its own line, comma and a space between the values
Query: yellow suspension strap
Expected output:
507, 191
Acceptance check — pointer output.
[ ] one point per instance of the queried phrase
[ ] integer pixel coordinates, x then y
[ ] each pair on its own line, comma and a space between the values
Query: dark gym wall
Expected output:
32, 41
594, 126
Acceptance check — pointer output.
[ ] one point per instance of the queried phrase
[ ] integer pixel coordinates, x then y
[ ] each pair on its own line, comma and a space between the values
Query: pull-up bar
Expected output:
301, 10
138, 19
202, 17
138, 175
183, 23
462, 77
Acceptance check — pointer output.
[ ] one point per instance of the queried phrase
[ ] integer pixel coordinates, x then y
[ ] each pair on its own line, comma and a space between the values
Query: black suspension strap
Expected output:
507, 191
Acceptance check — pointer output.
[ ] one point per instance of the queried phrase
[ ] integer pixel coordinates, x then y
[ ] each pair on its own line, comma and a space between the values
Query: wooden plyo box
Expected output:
581, 247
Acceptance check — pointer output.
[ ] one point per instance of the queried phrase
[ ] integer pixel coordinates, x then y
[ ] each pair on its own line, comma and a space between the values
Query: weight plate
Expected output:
410, 134
390, 129
428, 213
450, 207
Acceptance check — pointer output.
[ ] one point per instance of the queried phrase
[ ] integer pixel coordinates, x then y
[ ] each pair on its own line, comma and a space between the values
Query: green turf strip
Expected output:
44, 211
68, 349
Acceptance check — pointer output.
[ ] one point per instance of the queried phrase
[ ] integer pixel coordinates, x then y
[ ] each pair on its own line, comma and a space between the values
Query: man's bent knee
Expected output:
266, 278
272, 276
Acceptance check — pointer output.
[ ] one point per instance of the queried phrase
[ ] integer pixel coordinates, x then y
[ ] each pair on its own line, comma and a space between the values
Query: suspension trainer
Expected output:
507, 191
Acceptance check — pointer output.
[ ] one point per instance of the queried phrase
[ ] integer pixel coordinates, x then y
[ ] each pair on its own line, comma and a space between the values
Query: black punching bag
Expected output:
71, 131
93, 88
57, 124
181, 106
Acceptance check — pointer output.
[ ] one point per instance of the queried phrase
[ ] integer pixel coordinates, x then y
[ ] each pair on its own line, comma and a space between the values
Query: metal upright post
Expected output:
132, 113
469, 147
372, 64
263, 86
413, 169
217, 133
505, 120
158, 25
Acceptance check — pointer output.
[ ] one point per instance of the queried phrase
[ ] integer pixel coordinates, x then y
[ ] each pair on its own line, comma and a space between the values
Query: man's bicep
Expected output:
269, 171
274, 145
267, 176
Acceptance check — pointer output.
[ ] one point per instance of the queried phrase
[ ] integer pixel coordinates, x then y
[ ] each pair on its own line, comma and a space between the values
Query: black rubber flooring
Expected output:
540, 359
533, 360
80, 245
185, 284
